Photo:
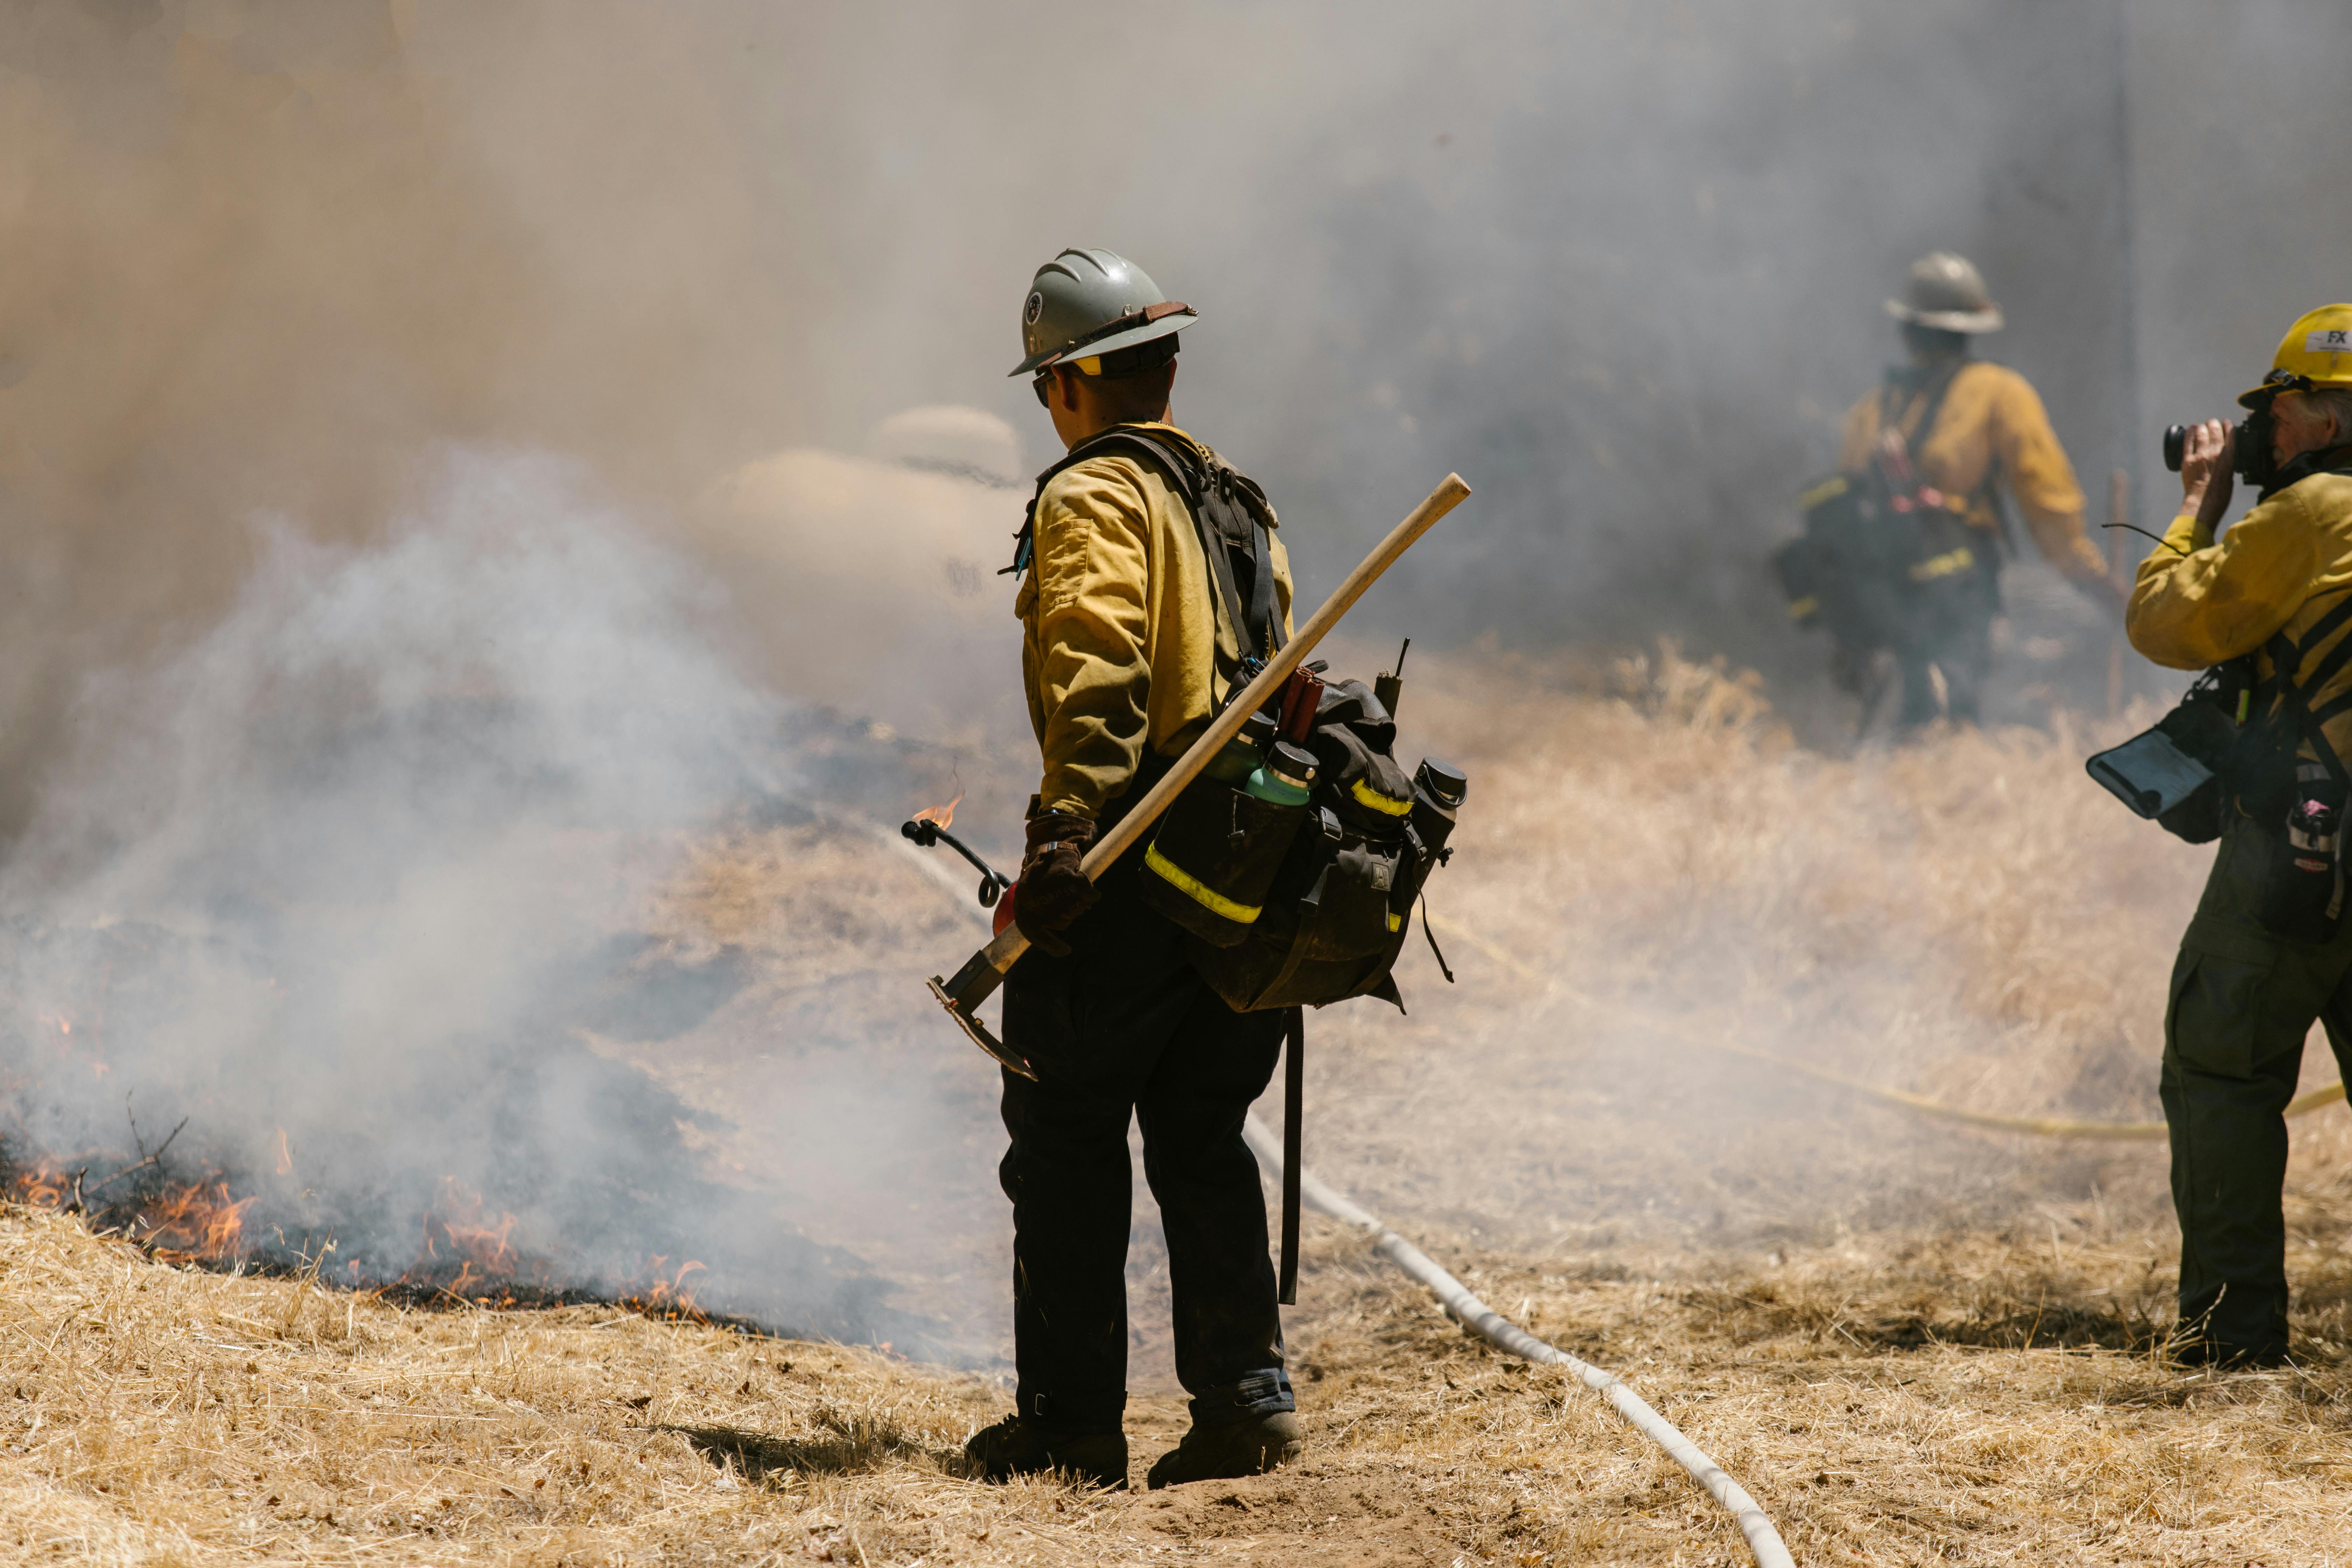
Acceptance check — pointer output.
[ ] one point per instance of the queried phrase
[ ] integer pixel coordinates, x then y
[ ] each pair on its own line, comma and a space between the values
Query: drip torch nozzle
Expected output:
931, 835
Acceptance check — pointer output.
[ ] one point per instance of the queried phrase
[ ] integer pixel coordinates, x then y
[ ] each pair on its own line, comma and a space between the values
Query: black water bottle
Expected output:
1438, 792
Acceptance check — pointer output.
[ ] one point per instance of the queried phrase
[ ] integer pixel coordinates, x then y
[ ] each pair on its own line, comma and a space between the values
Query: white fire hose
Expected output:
1763, 1541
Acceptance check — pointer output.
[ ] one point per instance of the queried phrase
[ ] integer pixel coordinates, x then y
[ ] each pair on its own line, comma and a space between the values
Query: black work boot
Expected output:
1024, 1445
1229, 1450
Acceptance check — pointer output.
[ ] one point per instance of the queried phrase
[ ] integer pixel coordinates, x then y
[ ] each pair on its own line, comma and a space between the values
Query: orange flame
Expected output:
463, 1233
944, 816
668, 1296
195, 1221
46, 1188
466, 1251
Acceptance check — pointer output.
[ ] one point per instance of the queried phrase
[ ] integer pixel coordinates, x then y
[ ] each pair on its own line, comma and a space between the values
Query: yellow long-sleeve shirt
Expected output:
1121, 631
2279, 568
1992, 415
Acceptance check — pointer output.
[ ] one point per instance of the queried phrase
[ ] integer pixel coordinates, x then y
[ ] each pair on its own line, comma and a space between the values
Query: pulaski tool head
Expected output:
978, 1033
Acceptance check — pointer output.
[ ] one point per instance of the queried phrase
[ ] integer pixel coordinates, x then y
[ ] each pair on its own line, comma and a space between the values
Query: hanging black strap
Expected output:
1294, 1095
1434, 951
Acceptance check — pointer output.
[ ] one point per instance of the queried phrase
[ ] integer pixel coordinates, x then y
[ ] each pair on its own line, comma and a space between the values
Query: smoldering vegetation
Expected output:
349, 890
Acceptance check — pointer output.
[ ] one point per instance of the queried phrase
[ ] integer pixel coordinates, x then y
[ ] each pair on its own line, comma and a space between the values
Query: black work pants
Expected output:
1124, 1026
2243, 1003
1952, 633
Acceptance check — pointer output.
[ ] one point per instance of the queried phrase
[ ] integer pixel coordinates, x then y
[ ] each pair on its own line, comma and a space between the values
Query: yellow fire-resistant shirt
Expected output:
2279, 568
1992, 415
1121, 628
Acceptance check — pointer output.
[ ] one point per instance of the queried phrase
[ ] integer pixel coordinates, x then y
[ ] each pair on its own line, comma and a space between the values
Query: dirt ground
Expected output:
1913, 1342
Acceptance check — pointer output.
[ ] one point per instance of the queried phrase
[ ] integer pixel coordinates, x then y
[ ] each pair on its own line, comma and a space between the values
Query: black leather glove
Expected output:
1052, 891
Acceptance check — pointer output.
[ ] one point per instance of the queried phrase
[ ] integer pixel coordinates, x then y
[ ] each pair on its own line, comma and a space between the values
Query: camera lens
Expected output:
2176, 442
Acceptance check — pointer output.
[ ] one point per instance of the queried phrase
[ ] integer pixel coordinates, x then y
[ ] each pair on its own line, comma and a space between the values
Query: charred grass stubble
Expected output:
1913, 1344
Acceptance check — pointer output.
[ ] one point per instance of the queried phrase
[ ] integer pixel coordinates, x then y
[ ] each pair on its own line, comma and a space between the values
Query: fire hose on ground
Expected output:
1919, 1104
1763, 1541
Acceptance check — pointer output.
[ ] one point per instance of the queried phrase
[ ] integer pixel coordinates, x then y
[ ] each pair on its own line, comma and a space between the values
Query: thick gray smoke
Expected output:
344, 881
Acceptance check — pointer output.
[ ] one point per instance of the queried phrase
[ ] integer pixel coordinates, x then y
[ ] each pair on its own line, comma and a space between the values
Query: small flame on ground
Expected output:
466, 1253
463, 1233
668, 1297
195, 1221
943, 816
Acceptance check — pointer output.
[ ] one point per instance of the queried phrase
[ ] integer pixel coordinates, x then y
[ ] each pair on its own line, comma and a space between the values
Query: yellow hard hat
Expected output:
2316, 351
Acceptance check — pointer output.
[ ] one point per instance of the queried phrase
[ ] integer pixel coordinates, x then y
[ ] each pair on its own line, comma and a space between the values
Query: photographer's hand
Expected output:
2208, 472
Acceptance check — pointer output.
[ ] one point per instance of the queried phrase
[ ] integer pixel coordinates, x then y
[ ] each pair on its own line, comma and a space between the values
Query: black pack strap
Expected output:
1265, 632
1254, 627
1214, 550
2293, 698
1256, 632
1443, 967
2325, 750
2287, 655
1294, 1122
1242, 511
1024, 541
2330, 665
2321, 629
1890, 416
1987, 488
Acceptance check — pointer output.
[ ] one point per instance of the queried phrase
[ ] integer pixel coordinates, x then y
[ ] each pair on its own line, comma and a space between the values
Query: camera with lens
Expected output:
2250, 459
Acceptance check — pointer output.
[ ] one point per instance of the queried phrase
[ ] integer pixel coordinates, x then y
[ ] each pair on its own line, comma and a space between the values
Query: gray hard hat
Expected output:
1096, 300
1946, 292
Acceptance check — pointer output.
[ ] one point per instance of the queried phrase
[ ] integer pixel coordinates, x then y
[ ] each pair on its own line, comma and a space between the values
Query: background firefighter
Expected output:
1984, 426
2249, 981
1125, 655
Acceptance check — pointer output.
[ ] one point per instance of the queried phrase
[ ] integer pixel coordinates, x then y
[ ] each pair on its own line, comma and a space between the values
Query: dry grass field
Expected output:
1914, 1343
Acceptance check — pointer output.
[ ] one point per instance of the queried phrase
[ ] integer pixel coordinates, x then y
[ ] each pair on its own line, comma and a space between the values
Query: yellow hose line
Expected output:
2040, 1126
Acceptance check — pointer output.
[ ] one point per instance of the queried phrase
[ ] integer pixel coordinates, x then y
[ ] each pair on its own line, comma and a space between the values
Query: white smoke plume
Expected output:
341, 882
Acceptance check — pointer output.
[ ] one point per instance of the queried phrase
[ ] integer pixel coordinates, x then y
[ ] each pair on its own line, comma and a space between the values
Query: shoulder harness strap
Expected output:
1255, 624
2292, 696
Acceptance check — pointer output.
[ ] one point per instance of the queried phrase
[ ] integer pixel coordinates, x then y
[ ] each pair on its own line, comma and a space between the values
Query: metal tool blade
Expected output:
979, 1034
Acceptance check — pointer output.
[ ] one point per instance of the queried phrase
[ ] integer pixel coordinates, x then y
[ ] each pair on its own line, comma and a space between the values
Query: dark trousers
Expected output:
1964, 655
1124, 1026
2243, 1003
1949, 628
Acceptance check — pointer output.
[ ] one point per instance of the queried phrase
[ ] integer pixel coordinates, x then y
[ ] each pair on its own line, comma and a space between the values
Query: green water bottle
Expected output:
1288, 778
1242, 753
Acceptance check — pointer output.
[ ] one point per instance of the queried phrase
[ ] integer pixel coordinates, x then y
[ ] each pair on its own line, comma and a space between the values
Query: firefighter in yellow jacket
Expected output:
2268, 951
1135, 619
1969, 426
